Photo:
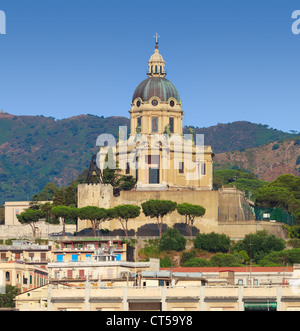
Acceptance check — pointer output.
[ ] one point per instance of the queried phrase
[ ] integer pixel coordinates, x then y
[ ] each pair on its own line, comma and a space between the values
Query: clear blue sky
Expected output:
230, 60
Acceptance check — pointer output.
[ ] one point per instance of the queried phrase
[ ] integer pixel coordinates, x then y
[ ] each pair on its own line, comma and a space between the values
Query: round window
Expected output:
172, 103
154, 102
138, 104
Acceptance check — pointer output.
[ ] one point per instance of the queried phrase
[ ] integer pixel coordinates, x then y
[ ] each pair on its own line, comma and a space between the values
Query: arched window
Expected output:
156, 69
7, 276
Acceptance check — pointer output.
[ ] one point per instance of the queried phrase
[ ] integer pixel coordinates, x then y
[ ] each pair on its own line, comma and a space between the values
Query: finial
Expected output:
156, 40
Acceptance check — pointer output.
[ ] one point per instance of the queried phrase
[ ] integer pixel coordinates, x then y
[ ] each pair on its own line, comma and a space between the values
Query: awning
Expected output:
260, 305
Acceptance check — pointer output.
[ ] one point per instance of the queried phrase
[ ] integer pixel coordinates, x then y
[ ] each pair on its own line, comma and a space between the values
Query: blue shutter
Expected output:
59, 258
74, 258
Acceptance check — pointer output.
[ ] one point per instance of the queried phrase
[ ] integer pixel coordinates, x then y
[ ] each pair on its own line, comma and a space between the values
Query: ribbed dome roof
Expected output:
156, 87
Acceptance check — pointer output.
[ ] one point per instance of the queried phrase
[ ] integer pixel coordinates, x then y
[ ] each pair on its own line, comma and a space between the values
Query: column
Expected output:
87, 289
202, 298
125, 299
164, 298
240, 298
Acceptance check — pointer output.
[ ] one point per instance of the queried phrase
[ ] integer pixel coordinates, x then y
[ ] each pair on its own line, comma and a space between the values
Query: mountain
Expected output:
35, 150
239, 135
267, 162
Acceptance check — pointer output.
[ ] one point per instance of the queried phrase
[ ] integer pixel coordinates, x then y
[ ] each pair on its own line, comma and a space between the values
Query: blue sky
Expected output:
230, 60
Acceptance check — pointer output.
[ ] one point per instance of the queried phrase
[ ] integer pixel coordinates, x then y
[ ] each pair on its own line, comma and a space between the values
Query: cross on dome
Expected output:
156, 38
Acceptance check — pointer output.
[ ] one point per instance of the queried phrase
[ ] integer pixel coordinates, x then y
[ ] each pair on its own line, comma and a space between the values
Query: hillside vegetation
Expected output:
36, 150
267, 162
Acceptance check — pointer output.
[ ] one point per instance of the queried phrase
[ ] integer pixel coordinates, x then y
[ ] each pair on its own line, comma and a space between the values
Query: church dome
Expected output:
156, 87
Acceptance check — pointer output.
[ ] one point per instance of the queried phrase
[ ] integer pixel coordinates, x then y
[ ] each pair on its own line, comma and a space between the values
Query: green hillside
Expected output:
239, 135
35, 150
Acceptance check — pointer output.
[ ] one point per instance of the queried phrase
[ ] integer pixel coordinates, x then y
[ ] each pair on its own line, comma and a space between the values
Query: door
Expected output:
153, 169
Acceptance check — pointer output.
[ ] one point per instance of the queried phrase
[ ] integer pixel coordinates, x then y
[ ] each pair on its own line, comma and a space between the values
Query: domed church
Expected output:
157, 152
167, 165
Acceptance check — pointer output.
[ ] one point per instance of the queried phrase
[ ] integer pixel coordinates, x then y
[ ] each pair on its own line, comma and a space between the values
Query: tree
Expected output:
166, 262
158, 209
212, 242
47, 193
258, 245
7, 299
64, 212
275, 196
172, 240
30, 216
225, 260
46, 209
112, 176
94, 214
190, 212
2, 214
126, 212
197, 262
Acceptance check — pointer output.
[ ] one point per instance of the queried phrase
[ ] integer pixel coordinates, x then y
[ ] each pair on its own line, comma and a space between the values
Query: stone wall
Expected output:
225, 211
25, 231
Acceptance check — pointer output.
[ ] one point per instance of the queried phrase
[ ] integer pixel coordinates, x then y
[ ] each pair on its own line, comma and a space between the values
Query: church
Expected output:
167, 165
157, 153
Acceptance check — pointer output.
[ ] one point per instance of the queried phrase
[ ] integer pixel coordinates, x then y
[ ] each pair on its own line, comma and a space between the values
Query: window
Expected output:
59, 258
139, 121
171, 124
203, 168
74, 258
127, 168
154, 102
70, 274
154, 124
240, 282
181, 167
88, 257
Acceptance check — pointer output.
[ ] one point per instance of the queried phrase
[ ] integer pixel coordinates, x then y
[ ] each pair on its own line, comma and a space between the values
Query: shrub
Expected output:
225, 260
172, 240
260, 244
197, 262
212, 242
166, 262
186, 256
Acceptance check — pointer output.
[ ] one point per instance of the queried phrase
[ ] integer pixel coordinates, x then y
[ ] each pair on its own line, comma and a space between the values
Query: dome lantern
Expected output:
156, 63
